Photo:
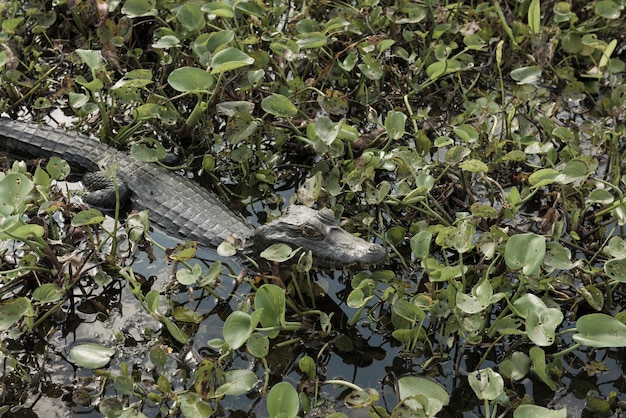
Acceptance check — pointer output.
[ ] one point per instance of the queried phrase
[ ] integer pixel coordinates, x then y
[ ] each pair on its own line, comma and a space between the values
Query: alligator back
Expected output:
177, 205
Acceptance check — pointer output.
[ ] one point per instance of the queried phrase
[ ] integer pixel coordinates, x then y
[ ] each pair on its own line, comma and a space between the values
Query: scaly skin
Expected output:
185, 209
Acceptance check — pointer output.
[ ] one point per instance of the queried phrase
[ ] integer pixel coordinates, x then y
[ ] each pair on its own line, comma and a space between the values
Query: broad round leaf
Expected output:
526, 252
534, 411
229, 59
283, 400
237, 329
279, 105
13, 310
600, 330
91, 355
190, 79
486, 384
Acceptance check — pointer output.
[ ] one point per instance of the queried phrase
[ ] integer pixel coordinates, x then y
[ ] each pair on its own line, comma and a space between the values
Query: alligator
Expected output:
183, 208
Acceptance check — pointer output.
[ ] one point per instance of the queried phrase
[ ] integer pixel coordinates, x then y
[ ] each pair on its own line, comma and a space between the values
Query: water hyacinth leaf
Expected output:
190, 79
601, 196
443, 68
592, 295
88, 217
258, 345
541, 325
279, 105
283, 401
600, 330
617, 247
394, 124
78, 100
467, 133
526, 75
237, 383
191, 17
608, 9
311, 40
271, 299
526, 252
559, 257
411, 389
543, 177
361, 398
166, 41
14, 188
534, 411
371, 68
538, 358
408, 311
515, 367
481, 298
279, 252
13, 310
229, 59
218, 9
307, 365
187, 276
420, 244
486, 384
48, 293
93, 58
139, 8
91, 355
192, 405
177, 333
534, 16
474, 166
326, 129
149, 150
237, 329
616, 269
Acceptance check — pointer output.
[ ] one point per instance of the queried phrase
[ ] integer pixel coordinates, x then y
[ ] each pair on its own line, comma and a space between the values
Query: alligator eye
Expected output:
309, 231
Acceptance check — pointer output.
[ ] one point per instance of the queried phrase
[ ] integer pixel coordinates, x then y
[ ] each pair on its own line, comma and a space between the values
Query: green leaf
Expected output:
14, 189
534, 16
486, 384
283, 401
237, 383
48, 293
229, 59
258, 345
534, 411
538, 358
93, 58
13, 310
608, 9
311, 40
88, 217
516, 367
278, 252
191, 17
279, 105
526, 252
600, 330
420, 244
139, 8
192, 405
394, 124
526, 75
271, 299
423, 395
237, 329
91, 355
474, 166
190, 79
439, 69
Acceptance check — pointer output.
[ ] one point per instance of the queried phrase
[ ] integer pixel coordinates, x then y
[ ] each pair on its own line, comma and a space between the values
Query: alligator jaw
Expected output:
317, 231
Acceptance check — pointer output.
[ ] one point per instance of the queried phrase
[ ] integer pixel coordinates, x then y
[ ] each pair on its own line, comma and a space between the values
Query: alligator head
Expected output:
317, 231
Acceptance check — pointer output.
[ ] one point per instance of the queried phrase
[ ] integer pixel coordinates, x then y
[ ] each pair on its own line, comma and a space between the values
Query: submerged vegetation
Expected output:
481, 143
